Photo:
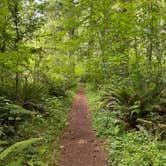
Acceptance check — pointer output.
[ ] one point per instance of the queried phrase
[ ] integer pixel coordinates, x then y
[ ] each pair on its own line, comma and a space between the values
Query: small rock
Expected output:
61, 147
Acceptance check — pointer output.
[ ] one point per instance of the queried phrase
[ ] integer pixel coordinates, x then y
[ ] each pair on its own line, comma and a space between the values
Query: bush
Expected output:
107, 124
11, 117
60, 85
135, 149
131, 101
47, 125
33, 92
125, 148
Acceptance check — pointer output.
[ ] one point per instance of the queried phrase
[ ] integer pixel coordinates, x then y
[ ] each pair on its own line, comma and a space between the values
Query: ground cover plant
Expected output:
125, 146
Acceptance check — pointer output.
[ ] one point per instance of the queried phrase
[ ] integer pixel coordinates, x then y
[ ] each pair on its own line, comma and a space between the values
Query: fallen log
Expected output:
150, 123
158, 128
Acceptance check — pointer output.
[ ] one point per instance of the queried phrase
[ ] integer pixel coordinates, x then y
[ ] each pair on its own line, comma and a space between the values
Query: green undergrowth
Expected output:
36, 142
124, 147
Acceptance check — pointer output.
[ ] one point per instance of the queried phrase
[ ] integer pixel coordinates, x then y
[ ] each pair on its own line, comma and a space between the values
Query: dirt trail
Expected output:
79, 144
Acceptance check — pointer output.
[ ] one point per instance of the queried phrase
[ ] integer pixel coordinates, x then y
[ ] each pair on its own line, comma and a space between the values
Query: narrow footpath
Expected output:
80, 146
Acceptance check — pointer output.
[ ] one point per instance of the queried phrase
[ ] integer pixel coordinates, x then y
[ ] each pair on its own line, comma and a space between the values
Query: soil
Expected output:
80, 147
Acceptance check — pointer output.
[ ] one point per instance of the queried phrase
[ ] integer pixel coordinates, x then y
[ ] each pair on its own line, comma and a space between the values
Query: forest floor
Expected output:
80, 147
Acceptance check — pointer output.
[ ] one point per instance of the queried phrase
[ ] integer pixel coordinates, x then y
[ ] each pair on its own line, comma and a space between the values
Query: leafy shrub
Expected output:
11, 116
19, 146
56, 114
59, 85
8, 90
33, 92
107, 124
135, 149
48, 125
131, 103
28, 92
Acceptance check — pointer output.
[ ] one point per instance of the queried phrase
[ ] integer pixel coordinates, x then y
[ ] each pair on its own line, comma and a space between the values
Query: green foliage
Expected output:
11, 116
47, 46
60, 86
47, 125
33, 92
15, 163
107, 124
19, 146
135, 148
134, 98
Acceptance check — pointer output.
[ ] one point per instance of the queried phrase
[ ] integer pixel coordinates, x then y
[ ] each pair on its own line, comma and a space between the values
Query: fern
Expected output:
15, 163
19, 146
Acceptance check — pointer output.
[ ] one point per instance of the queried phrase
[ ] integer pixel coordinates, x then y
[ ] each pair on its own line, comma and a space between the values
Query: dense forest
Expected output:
115, 49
